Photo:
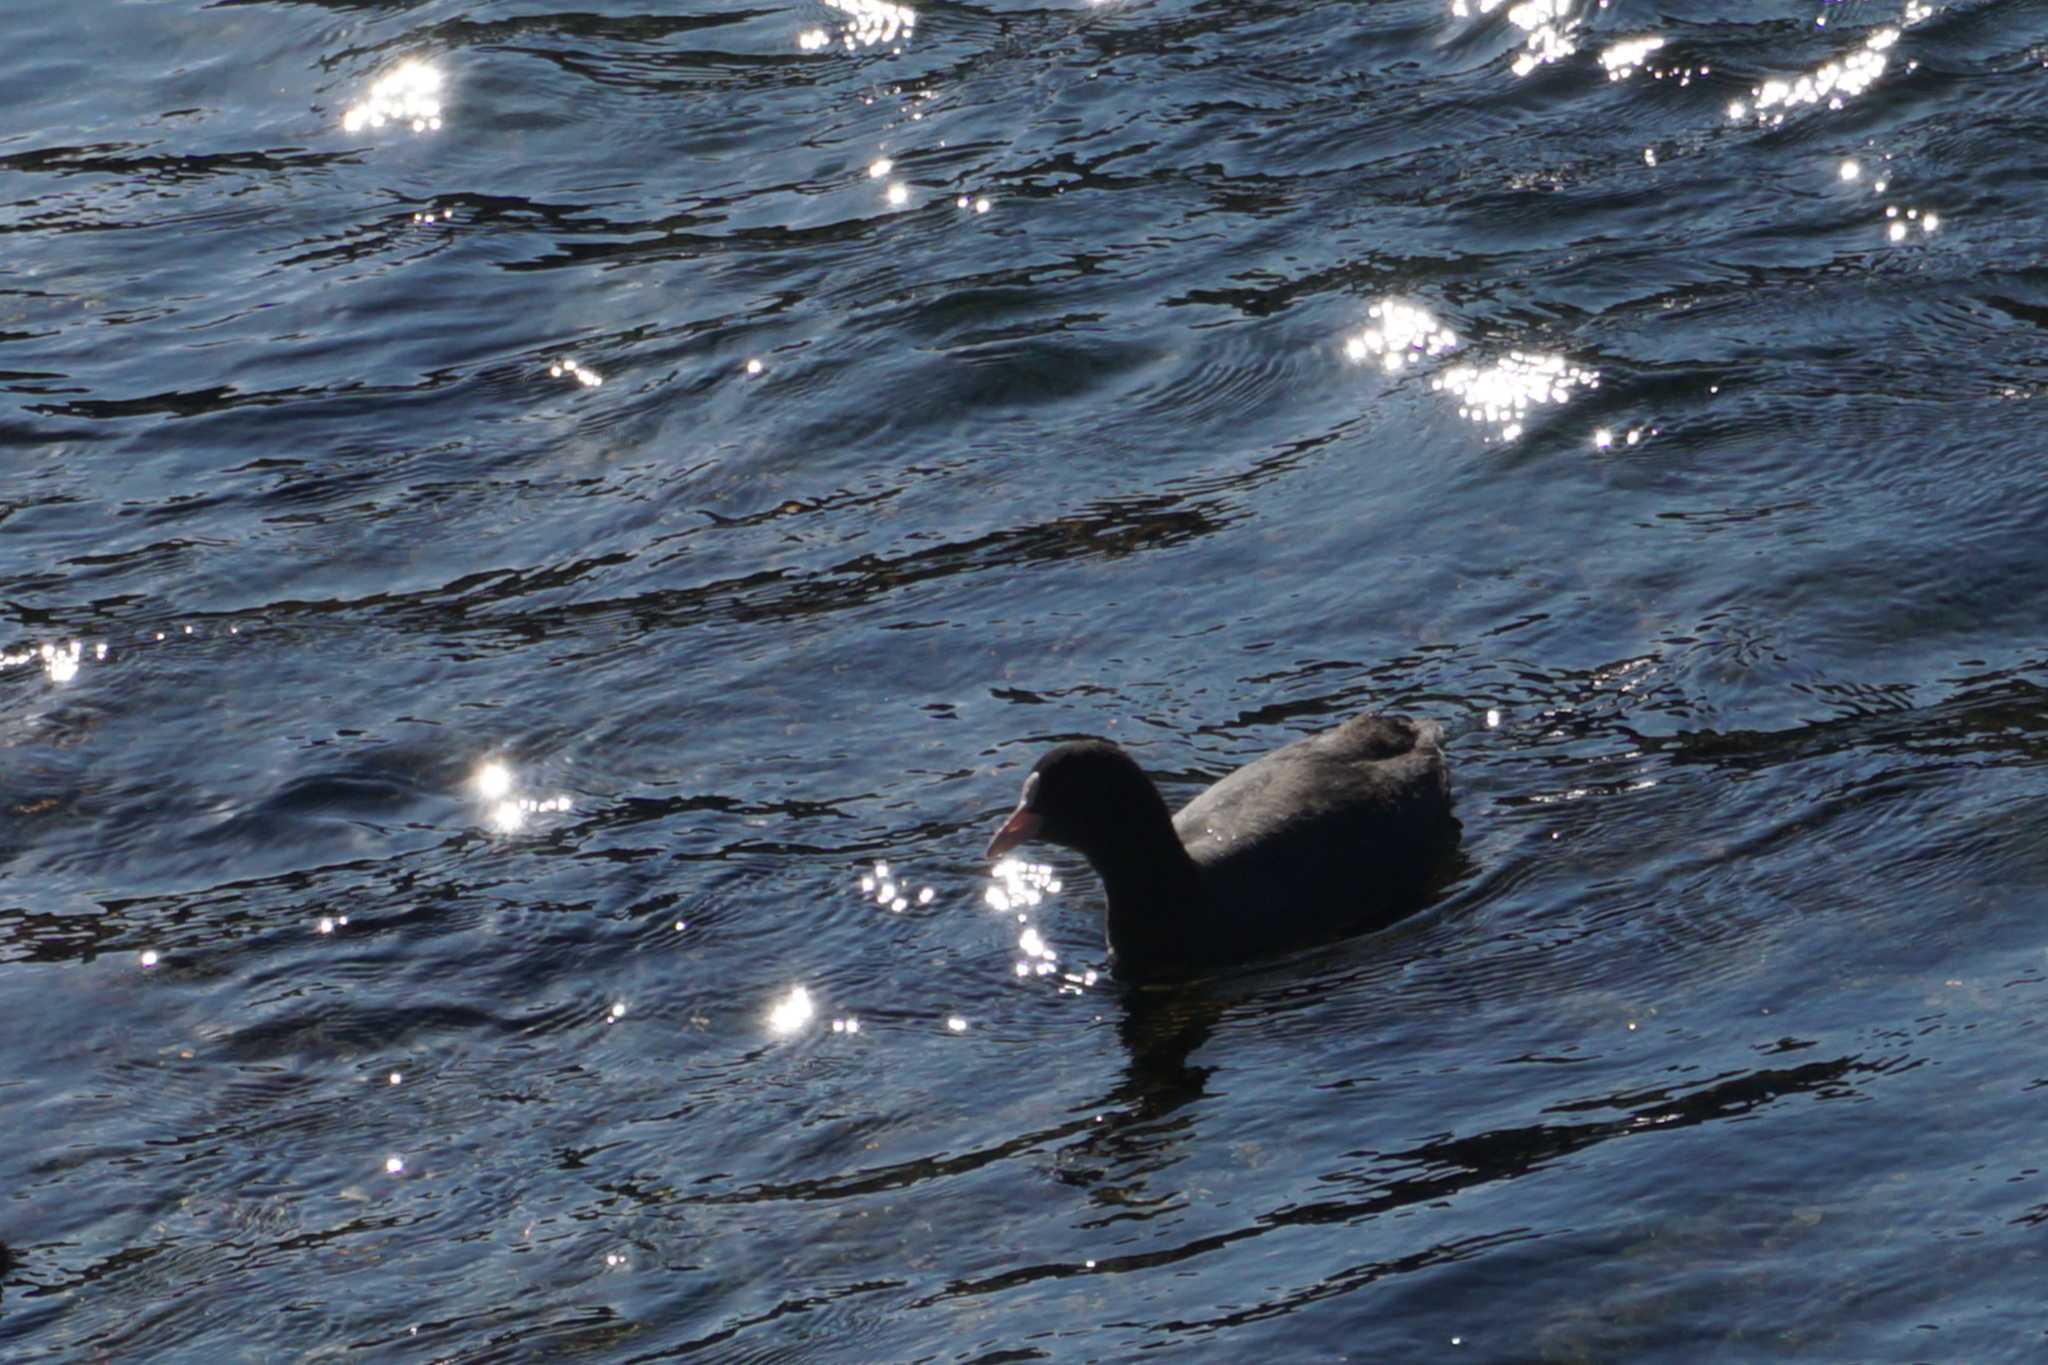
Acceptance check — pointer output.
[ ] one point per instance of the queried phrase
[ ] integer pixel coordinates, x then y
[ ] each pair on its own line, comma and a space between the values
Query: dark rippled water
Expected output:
759, 431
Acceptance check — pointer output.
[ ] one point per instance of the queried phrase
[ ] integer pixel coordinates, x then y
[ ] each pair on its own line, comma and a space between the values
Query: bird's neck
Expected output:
1155, 897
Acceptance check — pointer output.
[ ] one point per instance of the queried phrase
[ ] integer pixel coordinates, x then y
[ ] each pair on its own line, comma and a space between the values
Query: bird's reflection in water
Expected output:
1140, 1127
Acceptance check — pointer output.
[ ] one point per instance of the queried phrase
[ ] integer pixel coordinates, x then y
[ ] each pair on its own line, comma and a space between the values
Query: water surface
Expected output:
532, 539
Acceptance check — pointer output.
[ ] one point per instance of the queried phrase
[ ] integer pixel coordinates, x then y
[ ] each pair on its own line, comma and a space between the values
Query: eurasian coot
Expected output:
1337, 833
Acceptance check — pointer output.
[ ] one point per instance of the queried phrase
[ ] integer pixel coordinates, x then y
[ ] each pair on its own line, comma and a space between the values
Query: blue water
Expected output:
494, 552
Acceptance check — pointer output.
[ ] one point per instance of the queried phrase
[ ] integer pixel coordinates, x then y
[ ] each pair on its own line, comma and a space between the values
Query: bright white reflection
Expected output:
792, 1012
1019, 887
1604, 439
955, 1024
149, 958
1551, 27
1020, 884
583, 375
889, 891
1903, 221
1400, 335
1625, 58
493, 780
899, 194
1830, 83
880, 167
869, 23
850, 1024
506, 813
1502, 394
59, 662
1850, 170
394, 1165
409, 93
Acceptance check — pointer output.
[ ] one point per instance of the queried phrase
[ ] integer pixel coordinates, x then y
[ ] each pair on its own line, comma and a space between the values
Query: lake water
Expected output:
512, 513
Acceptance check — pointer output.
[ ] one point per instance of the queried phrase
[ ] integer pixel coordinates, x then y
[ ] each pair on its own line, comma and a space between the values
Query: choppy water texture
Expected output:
759, 430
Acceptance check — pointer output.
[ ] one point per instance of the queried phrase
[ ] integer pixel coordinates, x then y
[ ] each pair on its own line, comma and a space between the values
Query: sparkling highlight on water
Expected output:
1624, 58
1831, 83
1399, 335
1901, 222
493, 780
59, 662
1503, 394
408, 95
1033, 946
1551, 25
792, 1012
1019, 885
869, 23
506, 813
582, 374
891, 892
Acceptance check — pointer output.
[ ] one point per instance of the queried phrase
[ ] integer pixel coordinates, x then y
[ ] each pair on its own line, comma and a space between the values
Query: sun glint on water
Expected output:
408, 94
